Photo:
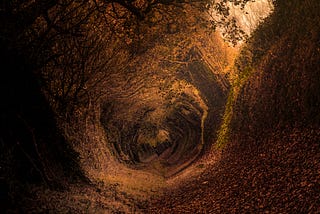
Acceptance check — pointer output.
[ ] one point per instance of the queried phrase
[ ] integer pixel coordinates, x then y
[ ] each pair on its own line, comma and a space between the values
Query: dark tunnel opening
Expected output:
175, 138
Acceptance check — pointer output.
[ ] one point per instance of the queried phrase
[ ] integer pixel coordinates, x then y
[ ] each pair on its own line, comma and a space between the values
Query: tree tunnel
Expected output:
169, 126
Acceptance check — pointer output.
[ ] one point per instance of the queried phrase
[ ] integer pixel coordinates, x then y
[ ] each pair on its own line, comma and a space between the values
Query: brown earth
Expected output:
281, 175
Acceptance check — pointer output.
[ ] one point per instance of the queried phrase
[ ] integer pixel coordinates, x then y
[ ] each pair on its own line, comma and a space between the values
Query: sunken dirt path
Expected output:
281, 175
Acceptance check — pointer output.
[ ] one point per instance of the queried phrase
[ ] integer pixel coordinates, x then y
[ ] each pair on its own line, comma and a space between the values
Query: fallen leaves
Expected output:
281, 175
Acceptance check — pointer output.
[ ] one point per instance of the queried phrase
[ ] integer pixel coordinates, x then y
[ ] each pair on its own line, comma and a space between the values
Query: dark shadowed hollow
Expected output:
175, 132
159, 106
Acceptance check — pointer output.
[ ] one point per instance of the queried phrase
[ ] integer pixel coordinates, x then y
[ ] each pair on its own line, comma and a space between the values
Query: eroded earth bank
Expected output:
140, 107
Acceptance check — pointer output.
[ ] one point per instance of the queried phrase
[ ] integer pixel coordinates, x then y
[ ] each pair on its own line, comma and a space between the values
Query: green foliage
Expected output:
225, 128
224, 131
201, 166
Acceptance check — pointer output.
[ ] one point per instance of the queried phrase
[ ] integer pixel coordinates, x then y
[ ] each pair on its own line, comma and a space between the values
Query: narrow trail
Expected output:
278, 175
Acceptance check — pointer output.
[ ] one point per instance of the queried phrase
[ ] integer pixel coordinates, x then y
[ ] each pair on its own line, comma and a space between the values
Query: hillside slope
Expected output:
271, 163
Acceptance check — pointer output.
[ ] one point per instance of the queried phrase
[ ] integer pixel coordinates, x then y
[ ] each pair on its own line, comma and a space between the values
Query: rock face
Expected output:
166, 126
